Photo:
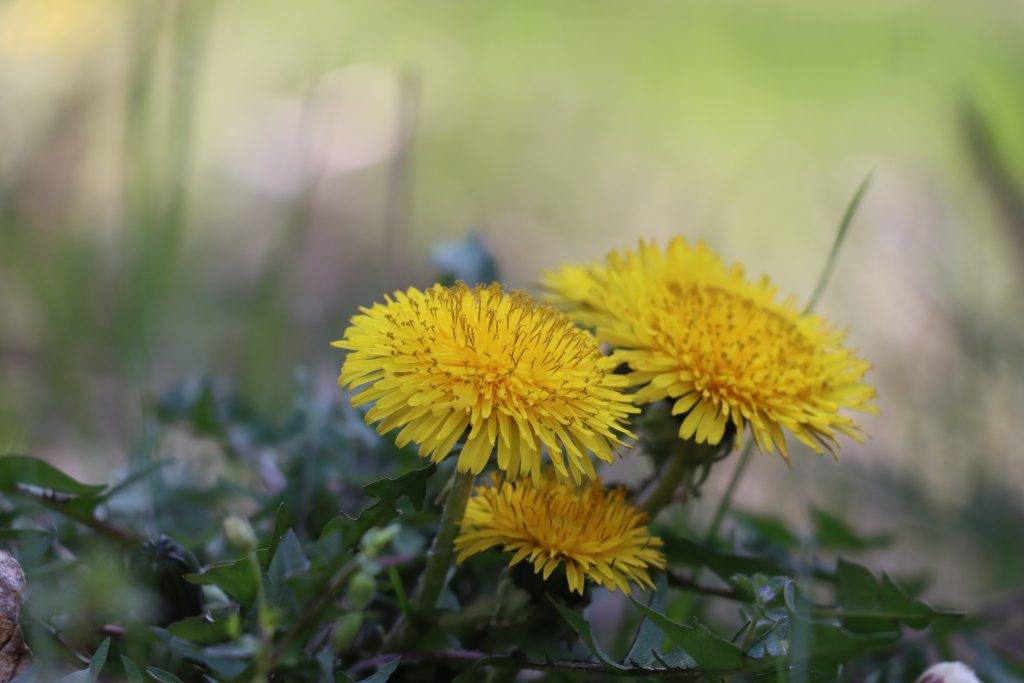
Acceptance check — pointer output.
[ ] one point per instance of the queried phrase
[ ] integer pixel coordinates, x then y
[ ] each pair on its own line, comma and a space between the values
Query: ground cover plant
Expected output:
442, 515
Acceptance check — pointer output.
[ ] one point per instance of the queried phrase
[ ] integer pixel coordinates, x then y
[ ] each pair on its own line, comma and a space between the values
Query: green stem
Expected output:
668, 483
263, 625
726, 502
439, 559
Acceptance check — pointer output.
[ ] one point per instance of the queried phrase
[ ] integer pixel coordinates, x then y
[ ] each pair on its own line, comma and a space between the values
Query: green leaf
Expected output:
343, 533
769, 528
869, 605
289, 561
228, 660
709, 651
18, 470
648, 646
206, 629
822, 641
684, 551
582, 629
96, 664
412, 485
236, 579
383, 673
99, 660
833, 533
163, 676
132, 672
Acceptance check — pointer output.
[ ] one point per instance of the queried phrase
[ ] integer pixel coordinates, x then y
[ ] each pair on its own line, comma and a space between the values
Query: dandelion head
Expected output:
506, 375
723, 349
590, 531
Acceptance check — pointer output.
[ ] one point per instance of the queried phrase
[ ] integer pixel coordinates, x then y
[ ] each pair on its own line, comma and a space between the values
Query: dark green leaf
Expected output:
648, 647
582, 629
18, 470
289, 561
833, 533
709, 651
868, 605
769, 528
228, 660
132, 672
343, 533
412, 485
684, 551
207, 630
99, 660
236, 579
821, 641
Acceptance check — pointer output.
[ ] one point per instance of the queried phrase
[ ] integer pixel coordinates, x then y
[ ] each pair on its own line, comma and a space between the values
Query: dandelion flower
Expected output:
592, 531
722, 348
510, 375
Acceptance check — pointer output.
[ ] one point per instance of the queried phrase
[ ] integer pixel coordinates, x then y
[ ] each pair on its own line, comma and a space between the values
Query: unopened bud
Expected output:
362, 589
239, 534
376, 540
345, 631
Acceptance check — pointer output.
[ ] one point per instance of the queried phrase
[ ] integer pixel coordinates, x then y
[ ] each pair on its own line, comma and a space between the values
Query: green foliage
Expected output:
315, 603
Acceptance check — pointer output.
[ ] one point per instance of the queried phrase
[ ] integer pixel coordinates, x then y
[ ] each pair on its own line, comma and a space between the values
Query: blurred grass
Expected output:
191, 185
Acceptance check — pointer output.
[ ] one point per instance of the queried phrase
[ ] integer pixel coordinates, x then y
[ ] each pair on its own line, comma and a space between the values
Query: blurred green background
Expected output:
212, 186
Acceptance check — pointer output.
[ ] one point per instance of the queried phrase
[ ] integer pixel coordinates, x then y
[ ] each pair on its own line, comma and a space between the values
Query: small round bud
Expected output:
239, 534
362, 589
345, 631
375, 540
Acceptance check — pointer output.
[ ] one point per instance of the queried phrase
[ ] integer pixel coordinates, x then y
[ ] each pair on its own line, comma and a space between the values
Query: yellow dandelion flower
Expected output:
592, 531
723, 348
510, 374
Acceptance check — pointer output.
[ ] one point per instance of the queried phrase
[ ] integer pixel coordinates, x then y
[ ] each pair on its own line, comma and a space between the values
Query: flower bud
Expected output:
239, 534
375, 540
362, 589
345, 631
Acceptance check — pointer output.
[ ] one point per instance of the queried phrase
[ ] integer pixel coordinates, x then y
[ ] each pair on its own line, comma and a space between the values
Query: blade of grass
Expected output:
844, 226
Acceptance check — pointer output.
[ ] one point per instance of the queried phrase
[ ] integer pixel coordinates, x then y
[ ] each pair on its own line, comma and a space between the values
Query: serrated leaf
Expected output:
833, 533
582, 629
869, 605
684, 551
412, 485
343, 533
825, 641
709, 651
18, 470
236, 579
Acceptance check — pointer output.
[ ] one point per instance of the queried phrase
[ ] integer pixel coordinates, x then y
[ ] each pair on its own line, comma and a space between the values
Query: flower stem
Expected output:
439, 559
668, 483
726, 502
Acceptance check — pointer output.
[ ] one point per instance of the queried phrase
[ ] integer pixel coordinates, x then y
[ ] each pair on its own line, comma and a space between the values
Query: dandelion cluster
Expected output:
590, 531
722, 348
496, 368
